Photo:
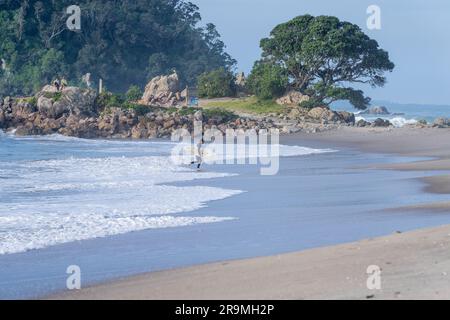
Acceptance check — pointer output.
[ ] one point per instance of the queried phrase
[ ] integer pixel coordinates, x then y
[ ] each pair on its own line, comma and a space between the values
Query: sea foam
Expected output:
50, 202
397, 122
74, 189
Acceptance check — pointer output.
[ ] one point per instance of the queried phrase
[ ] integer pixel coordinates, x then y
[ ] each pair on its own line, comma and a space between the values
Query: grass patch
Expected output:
247, 105
56, 96
31, 100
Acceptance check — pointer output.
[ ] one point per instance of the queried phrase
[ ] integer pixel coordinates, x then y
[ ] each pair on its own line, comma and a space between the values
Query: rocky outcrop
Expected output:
240, 83
163, 91
292, 98
326, 115
71, 113
377, 110
71, 100
240, 80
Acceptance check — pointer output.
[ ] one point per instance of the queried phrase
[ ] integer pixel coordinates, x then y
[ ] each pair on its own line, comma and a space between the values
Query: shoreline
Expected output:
414, 267
312, 274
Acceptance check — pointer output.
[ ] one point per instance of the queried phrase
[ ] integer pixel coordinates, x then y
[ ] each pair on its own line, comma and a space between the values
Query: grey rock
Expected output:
381, 123
347, 117
377, 110
362, 123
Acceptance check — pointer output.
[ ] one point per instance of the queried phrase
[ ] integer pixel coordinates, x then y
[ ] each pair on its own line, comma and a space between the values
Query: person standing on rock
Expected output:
56, 84
63, 83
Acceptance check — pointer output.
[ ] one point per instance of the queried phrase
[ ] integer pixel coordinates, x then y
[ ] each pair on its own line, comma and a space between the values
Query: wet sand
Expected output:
415, 265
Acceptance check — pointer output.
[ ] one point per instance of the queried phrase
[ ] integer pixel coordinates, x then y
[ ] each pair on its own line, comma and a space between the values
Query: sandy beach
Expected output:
414, 264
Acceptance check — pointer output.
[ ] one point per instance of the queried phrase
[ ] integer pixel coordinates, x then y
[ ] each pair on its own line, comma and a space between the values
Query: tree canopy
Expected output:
267, 80
124, 42
218, 83
323, 56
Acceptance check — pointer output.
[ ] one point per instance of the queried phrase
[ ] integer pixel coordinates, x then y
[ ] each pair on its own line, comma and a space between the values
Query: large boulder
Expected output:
323, 114
163, 91
292, 98
45, 107
347, 117
22, 108
381, 123
71, 100
362, 123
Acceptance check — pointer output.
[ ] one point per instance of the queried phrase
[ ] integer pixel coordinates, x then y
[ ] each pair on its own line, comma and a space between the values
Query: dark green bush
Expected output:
216, 84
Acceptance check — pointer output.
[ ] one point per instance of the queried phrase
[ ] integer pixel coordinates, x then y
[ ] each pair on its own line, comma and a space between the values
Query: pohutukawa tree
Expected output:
323, 56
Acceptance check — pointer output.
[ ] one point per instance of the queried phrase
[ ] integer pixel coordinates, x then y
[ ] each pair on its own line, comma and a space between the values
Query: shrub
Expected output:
216, 84
134, 93
106, 100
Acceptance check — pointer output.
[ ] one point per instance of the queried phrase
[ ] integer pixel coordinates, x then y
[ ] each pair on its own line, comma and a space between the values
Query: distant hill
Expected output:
123, 42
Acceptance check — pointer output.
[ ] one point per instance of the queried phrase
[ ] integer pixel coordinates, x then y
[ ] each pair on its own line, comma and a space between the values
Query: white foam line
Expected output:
54, 230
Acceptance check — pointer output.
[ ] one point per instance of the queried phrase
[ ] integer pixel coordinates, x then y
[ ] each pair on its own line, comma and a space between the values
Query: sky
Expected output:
416, 33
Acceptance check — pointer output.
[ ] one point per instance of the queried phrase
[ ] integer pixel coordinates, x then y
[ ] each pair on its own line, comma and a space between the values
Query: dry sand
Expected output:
414, 265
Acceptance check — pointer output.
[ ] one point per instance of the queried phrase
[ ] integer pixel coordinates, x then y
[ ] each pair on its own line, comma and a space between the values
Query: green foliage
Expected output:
321, 94
31, 100
267, 81
311, 103
247, 105
134, 93
123, 42
216, 84
107, 100
321, 55
57, 96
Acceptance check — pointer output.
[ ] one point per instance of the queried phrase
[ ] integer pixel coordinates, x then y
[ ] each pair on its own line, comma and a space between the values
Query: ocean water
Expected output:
118, 208
56, 189
402, 114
